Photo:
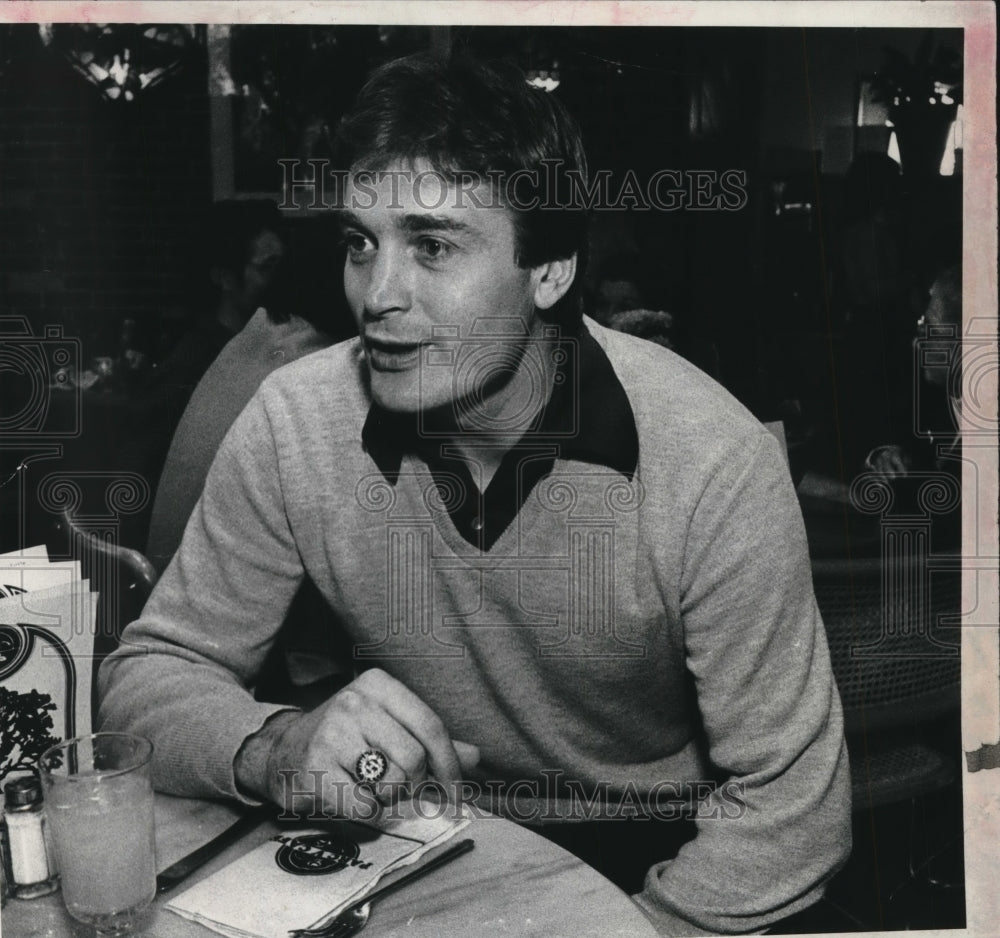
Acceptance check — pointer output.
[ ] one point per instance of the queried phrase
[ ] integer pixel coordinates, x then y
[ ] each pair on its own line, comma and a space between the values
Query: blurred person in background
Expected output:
296, 315
238, 252
623, 300
619, 286
939, 399
235, 255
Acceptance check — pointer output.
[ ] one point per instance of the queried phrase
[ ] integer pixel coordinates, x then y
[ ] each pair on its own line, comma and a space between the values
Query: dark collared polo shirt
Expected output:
587, 418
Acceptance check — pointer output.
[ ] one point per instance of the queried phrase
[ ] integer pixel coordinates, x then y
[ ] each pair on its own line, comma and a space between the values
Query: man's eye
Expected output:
358, 245
433, 249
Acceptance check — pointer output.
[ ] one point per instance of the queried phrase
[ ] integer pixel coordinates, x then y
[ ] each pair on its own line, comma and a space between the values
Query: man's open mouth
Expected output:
392, 355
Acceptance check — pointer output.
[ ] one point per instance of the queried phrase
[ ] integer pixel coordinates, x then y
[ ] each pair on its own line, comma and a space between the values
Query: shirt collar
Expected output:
588, 417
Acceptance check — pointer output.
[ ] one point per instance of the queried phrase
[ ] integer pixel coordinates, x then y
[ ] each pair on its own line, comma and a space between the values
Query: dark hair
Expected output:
309, 283
221, 238
465, 116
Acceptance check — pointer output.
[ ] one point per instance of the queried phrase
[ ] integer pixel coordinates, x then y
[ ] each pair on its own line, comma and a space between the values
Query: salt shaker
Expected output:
32, 868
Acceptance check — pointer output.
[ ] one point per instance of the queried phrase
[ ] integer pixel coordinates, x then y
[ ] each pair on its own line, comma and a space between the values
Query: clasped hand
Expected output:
309, 758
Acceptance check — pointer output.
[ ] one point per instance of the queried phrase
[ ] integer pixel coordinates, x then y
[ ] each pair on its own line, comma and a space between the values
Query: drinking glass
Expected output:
99, 803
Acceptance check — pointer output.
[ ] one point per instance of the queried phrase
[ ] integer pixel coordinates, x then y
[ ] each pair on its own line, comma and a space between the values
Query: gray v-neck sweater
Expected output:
630, 635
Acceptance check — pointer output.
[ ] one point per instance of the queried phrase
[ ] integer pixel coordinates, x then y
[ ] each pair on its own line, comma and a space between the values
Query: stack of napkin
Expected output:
305, 876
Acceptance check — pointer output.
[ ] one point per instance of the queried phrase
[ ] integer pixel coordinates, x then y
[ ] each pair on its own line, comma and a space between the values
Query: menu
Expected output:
47, 622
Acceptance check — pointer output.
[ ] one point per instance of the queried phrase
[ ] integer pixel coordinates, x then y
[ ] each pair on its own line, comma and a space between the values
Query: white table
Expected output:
514, 883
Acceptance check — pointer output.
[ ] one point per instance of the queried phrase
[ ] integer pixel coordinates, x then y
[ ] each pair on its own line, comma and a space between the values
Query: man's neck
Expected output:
482, 459
514, 407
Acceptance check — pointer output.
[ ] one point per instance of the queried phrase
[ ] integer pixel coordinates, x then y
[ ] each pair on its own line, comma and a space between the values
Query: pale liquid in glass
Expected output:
103, 834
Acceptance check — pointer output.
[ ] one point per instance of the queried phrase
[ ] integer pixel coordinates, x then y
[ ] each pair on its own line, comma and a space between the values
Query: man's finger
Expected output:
468, 755
413, 714
399, 745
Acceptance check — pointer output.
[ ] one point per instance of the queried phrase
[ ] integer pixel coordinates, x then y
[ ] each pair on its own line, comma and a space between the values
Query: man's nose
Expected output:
388, 288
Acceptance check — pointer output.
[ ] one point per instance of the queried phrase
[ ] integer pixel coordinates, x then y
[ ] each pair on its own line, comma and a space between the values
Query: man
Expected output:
240, 252
938, 332
298, 315
619, 287
572, 565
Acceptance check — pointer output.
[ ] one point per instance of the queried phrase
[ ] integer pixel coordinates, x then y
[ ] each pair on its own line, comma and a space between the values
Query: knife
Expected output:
184, 867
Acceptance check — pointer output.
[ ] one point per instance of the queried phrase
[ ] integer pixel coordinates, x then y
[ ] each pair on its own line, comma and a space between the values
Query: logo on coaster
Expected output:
315, 854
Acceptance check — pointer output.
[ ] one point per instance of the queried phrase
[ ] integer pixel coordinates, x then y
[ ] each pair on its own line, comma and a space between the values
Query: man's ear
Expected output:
553, 280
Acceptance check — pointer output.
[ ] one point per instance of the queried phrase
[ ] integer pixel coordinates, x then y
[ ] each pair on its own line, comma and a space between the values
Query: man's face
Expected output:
263, 260
936, 322
422, 257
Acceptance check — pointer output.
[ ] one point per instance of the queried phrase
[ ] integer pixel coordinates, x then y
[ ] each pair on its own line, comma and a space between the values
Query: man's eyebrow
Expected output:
346, 218
412, 223
420, 223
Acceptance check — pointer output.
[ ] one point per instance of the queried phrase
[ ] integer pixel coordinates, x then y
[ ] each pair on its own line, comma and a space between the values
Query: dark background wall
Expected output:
101, 202
808, 97
98, 199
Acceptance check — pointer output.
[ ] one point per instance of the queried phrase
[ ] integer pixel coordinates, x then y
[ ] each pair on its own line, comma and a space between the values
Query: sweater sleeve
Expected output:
182, 673
757, 651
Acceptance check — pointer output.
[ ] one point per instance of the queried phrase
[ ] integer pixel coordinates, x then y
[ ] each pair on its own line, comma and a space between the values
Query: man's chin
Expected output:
398, 398
392, 404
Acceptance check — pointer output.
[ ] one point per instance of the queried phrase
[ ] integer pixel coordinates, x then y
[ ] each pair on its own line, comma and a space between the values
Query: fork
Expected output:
355, 916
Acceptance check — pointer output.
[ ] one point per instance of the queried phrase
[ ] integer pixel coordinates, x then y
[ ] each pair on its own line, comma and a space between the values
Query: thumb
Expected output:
468, 755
